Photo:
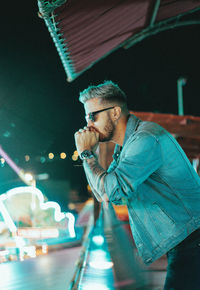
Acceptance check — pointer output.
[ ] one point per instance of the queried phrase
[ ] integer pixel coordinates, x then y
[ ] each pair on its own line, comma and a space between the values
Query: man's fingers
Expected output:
76, 133
86, 131
92, 129
83, 130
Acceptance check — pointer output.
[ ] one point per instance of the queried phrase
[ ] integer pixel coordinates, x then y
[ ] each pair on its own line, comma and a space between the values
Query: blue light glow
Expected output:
92, 286
8, 220
99, 260
98, 240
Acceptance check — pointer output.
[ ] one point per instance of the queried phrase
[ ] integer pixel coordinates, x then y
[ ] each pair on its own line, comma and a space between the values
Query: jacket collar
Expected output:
131, 127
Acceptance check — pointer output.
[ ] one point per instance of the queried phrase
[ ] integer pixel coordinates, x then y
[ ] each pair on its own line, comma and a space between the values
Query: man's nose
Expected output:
89, 123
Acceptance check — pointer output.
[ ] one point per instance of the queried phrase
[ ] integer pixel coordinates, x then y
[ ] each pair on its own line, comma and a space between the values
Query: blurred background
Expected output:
40, 112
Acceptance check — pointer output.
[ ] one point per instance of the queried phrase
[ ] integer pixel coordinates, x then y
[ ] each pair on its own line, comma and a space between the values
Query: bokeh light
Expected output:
27, 158
74, 157
2, 160
63, 155
28, 176
51, 155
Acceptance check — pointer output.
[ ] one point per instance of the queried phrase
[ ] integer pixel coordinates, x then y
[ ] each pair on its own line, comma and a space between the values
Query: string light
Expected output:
51, 155
2, 160
74, 157
63, 155
27, 158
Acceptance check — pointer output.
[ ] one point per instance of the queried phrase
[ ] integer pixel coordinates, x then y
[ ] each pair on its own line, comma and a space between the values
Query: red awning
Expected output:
84, 31
186, 130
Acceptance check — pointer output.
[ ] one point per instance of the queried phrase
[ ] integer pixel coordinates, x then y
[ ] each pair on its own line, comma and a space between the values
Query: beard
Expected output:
108, 132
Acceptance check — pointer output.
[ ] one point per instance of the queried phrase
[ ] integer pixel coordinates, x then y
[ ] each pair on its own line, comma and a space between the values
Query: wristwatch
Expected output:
86, 154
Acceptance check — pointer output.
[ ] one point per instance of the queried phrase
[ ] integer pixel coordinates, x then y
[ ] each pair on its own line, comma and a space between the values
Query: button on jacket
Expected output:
152, 174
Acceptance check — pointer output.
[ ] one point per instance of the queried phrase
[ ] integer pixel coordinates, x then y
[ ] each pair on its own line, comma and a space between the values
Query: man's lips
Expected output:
94, 129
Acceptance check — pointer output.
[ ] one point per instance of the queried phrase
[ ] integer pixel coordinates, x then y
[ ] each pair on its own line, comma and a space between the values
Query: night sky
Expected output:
39, 109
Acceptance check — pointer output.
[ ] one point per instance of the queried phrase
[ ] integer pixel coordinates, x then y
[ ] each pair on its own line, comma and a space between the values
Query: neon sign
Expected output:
58, 215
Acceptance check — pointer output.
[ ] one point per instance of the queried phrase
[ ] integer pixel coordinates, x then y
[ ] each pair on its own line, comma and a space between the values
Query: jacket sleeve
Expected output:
97, 194
95, 176
140, 158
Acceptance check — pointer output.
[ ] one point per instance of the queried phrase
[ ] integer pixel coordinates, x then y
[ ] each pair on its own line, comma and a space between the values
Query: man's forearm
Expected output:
96, 175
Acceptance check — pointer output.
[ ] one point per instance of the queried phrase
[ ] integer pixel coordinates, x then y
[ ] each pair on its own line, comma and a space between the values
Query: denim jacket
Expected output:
152, 174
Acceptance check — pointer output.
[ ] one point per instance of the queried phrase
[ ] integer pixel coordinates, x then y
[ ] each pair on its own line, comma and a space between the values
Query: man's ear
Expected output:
117, 113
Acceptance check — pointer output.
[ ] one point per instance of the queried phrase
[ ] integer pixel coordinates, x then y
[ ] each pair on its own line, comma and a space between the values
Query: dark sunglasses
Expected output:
91, 116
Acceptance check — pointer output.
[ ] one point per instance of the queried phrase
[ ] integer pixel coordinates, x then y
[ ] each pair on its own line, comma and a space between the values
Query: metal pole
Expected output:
155, 12
180, 83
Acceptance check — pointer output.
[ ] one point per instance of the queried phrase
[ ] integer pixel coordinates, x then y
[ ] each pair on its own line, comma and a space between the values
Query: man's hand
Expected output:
86, 139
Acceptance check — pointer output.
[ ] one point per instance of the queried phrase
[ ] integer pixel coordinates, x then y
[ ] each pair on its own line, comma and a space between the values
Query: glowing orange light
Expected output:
27, 158
89, 188
74, 157
76, 153
51, 155
63, 155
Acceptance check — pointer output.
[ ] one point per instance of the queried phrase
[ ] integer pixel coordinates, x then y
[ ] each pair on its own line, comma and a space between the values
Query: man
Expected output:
152, 175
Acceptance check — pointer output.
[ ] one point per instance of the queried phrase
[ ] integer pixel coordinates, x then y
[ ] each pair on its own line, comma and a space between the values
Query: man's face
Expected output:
102, 122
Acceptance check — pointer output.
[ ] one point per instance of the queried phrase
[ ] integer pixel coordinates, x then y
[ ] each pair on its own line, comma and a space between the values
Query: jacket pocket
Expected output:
164, 224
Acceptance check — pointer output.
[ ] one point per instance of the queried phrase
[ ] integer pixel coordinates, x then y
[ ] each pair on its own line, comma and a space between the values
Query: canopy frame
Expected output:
48, 13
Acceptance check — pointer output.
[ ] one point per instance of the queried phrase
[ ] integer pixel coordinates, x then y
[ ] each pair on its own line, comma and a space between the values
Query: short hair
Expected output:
107, 92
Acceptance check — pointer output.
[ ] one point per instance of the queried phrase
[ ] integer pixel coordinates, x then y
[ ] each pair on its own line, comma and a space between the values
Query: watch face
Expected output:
86, 154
